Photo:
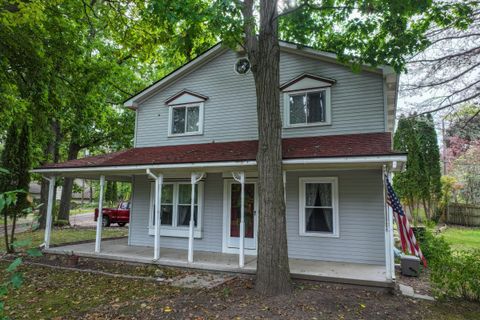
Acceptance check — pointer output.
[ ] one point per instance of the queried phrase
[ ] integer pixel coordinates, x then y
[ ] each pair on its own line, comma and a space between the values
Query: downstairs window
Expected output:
318, 211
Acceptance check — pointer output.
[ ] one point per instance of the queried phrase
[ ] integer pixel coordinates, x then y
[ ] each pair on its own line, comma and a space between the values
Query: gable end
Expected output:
307, 81
185, 96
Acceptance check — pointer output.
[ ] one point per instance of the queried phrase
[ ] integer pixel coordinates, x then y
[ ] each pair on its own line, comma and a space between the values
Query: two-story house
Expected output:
194, 159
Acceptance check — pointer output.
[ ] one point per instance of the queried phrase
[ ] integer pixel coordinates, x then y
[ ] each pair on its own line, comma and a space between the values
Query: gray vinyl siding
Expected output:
230, 112
361, 218
212, 217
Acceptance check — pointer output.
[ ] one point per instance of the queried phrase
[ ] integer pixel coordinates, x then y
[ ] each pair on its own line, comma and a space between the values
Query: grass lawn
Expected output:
462, 238
50, 293
65, 235
64, 294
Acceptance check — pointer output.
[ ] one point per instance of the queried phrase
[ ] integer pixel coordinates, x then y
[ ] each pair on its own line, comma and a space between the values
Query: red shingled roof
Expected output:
369, 144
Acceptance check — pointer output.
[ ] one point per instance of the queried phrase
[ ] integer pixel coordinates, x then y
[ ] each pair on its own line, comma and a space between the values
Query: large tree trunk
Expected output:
273, 272
65, 200
52, 150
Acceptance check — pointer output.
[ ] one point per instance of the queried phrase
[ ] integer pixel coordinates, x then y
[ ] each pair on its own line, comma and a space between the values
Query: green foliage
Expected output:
420, 182
457, 275
371, 32
406, 183
464, 123
448, 187
466, 168
16, 158
430, 157
15, 278
454, 274
434, 247
111, 192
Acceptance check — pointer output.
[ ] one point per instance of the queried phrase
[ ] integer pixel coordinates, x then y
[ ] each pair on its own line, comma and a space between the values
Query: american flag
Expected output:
407, 237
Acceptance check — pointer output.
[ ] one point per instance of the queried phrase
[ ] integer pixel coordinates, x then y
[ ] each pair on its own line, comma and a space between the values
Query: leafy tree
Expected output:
420, 183
407, 183
63, 67
466, 169
463, 130
16, 158
430, 156
76, 58
360, 32
111, 193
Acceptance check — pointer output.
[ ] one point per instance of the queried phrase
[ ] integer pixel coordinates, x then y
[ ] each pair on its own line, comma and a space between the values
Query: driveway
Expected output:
83, 220
79, 220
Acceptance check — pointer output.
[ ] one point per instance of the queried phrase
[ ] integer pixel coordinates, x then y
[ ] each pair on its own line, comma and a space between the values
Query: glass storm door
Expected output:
250, 215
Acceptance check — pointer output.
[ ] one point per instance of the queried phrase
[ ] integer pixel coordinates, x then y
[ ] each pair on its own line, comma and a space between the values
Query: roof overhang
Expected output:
123, 172
387, 71
187, 68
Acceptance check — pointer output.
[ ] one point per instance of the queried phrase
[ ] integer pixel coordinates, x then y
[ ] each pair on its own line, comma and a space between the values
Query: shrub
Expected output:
434, 247
457, 275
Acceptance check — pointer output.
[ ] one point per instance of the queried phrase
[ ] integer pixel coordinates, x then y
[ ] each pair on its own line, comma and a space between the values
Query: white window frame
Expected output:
301, 211
200, 106
174, 230
286, 108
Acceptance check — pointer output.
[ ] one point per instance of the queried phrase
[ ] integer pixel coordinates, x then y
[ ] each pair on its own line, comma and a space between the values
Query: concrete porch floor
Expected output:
341, 272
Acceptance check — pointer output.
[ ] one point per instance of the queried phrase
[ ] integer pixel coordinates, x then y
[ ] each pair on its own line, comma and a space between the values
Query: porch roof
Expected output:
352, 145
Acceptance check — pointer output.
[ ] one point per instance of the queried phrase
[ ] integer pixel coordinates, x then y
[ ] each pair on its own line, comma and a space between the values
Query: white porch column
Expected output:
389, 259
240, 177
50, 200
98, 239
158, 203
194, 179
390, 233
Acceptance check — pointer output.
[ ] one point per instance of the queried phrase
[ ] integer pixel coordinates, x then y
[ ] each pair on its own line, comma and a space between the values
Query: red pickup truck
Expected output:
119, 215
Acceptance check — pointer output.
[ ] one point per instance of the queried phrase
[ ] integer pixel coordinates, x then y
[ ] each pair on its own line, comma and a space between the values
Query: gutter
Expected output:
332, 160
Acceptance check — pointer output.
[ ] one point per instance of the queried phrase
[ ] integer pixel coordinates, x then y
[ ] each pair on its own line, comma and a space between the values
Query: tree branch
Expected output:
470, 119
449, 105
434, 84
318, 8
473, 50
455, 37
249, 29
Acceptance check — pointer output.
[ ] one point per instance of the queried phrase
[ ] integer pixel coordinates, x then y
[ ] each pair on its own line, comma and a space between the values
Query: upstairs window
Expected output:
185, 113
306, 108
307, 101
185, 119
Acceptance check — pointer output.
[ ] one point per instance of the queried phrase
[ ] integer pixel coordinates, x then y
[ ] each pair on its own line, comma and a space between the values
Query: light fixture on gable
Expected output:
242, 66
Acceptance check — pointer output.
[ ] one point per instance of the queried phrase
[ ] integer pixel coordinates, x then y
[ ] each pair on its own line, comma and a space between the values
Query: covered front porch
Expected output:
207, 218
340, 272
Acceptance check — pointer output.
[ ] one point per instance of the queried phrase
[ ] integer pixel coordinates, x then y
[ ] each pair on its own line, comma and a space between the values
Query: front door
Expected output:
233, 215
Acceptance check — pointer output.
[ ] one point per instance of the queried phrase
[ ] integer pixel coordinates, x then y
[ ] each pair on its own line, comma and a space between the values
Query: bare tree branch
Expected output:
455, 37
470, 119
474, 51
434, 84
449, 105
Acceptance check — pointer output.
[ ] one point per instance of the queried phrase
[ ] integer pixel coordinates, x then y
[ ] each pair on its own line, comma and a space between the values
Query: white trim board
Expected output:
226, 188
300, 161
